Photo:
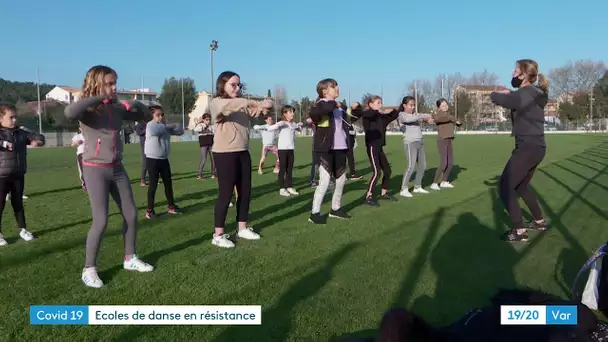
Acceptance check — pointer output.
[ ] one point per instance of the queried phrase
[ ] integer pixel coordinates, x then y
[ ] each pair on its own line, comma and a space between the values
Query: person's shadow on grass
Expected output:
277, 320
471, 263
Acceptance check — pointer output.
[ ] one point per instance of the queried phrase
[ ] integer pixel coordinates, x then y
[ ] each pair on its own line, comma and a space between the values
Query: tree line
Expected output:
580, 87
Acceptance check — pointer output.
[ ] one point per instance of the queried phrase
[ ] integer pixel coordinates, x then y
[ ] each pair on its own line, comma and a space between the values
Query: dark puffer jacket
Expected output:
14, 162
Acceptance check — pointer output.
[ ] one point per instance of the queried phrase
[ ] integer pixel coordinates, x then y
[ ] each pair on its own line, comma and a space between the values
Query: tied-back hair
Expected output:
529, 68
440, 101
324, 84
220, 84
405, 100
5, 108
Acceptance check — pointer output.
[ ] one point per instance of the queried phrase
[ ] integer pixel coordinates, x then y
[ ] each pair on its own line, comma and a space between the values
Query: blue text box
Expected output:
59, 314
562, 314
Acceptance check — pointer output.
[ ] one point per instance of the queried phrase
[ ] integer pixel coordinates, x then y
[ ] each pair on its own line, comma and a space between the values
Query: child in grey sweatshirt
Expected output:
101, 116
413, 144
157, 148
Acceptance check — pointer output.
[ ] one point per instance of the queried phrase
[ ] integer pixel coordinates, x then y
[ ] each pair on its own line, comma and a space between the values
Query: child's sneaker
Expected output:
446, 185
292, 191
230, 205
199, 177
248, 234
2, 241
370, 201
354, 177
388, 197
175, 210
24, 197
84, 188
275, 171
135, 264
90, 277
313, 185
283, 192
260, 172
420, 190
435, 186
405, 193
222, 241
25, 235
143, 182
150, 214
315, 218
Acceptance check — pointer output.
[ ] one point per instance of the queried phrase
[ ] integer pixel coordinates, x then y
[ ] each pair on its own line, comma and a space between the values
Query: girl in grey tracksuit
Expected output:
101, 117
413, 143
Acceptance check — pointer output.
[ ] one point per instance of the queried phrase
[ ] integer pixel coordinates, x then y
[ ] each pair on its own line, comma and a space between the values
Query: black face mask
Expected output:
516, 82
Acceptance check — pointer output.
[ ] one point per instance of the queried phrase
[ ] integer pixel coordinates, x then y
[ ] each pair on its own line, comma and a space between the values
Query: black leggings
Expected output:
156, 168
350, 155
379, 162
285, 168
144, 166
314, 167
446, 160
233, 170
14, 186
516, 177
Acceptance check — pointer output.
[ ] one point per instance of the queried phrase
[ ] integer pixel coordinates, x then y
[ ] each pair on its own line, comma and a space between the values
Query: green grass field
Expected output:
439, 254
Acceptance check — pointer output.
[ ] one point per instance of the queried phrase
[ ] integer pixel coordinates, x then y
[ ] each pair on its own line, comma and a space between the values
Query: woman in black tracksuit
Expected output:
374, 125
527, 105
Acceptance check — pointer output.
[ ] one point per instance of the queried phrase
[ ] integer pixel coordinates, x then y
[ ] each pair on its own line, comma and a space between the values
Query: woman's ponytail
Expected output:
543, 83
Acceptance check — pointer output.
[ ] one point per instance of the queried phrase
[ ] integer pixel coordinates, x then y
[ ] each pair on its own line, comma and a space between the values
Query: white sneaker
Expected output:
2, 241
260, 172
406, 193
248, 234
135, 264
8, 197
90, 277
230, 205
222, 241
25, 235
420, 190
24, 197
292, 191
446, 185
283, 192
434, 186
275, 171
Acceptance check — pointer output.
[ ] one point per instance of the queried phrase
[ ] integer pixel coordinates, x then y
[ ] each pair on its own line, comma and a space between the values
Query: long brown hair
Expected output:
529, 68
220, 84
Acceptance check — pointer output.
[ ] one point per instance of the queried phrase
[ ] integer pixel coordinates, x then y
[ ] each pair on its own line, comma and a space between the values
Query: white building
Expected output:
63, 94
201, 106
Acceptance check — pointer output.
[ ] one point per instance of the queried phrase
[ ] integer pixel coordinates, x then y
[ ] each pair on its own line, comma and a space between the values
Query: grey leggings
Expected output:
204, 151
414, 151
103, 182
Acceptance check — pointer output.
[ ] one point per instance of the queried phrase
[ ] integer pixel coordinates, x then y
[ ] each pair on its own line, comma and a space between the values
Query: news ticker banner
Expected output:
538, 315
145, 315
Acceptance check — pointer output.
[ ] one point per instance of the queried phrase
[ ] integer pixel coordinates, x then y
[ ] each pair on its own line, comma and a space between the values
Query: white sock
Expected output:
336, 200
320, 190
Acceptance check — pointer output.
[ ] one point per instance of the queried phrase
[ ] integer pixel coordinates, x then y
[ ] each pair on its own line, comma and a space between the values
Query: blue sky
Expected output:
367, 46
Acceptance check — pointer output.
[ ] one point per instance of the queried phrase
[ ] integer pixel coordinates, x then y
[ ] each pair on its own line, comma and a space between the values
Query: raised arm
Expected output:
409, 118
322, 109
260, 127
136, 111
443, 117
510, 100
276, 126
34, 139
76, 110
155, 129
225, 107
